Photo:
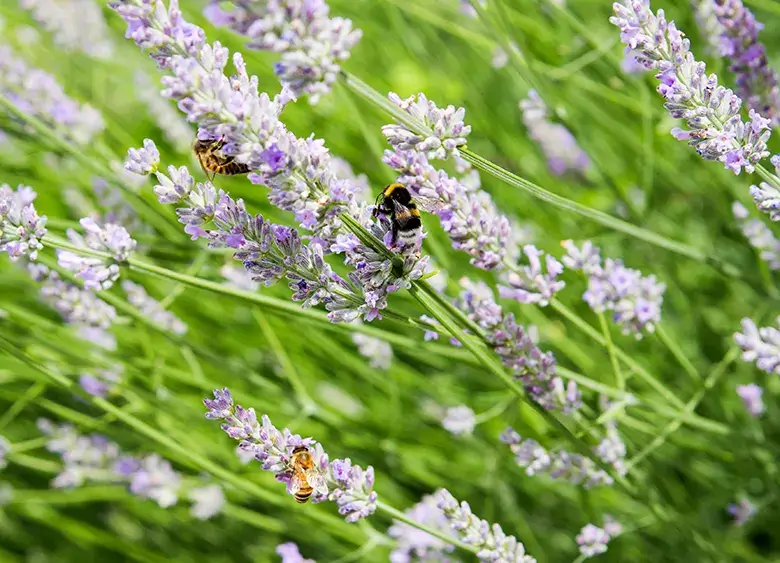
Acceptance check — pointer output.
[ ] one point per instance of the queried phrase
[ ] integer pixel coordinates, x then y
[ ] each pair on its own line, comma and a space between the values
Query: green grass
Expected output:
692, 447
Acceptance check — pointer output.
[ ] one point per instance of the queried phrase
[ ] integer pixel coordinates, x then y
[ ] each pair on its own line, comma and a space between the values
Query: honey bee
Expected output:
397, 203
213, 161
305, 479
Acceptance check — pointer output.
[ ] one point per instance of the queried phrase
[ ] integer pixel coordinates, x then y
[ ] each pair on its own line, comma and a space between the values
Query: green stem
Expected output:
19, 405
679, 355
619, 379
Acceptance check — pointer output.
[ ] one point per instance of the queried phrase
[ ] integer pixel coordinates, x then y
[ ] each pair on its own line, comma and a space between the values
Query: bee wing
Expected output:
317, 482
429, 204
297, 482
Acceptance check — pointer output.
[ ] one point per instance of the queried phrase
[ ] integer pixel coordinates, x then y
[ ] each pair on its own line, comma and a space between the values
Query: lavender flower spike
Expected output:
760, 345
97, 273
412, 544
441, 130
711, 111
491, 541
751, 397
143, 161
530, 284
756, 80
593, 540
290, 554
459, 421
348, 485
21, 228
760, 236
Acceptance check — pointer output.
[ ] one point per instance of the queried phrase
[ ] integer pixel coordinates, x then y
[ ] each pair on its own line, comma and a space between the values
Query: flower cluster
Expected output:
143, 161
459, 421
348, 485
37, 93
711, 111
97, 273
440, 130
766, 196
377, 351
311, 44
80, 308
490, 540
21, 228
470, 218
760, 236
531, 284
635, 300
95, 459
760, 345
742, 511
412, 544
102, 382
556, 141
152, 309
290, 553
593, 540
532, 367
536, 460
756, 80
76, 25
751, 397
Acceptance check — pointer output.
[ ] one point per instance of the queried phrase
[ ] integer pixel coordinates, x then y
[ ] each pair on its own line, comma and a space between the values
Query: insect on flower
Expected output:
397, 203
214, 161
305, 479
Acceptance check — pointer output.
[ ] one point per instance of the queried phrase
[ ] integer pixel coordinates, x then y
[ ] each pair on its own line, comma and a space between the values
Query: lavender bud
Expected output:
556, 141
459, 421
206, 501
21, 229
711, 111
491, 541
592, 540
445, 127
760, 345
151, 308
760, 236
742, 511
290, 554
413, 544
767, 199
751, 397
102, 382
143, 161
530, 284
155, 479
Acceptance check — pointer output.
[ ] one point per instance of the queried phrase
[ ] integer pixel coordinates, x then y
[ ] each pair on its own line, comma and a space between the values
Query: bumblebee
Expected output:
213, 161
397, 203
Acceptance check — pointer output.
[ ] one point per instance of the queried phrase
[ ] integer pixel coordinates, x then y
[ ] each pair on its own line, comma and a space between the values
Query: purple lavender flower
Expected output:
760, 236
206, 501
711, 111
21, 229
532, 367
439, 131
612, 449
76, 25
143, 161
311, 44
635, 300
78, 307
530, 284
348, 485
459, 420
559, 464
102, 382
742, 511
5, 447
290, 554
751, 397
155, 479
756, 80
593, 540
556, 141
471, 219
152, 309
491, 541
96, 272
760, 345
377, 351
412, 544
37, 93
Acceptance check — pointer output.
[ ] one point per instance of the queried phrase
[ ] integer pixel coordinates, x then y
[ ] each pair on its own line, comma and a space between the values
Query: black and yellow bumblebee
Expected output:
213, 161
397, 203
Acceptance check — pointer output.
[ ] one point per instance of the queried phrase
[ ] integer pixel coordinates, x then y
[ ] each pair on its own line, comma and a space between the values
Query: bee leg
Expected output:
394, 238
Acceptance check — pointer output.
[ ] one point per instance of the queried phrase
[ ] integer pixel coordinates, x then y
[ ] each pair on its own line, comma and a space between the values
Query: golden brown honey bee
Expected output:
213, 161
305, 479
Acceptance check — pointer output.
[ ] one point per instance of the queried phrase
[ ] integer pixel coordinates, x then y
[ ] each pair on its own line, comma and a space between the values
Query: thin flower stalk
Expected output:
340, 481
